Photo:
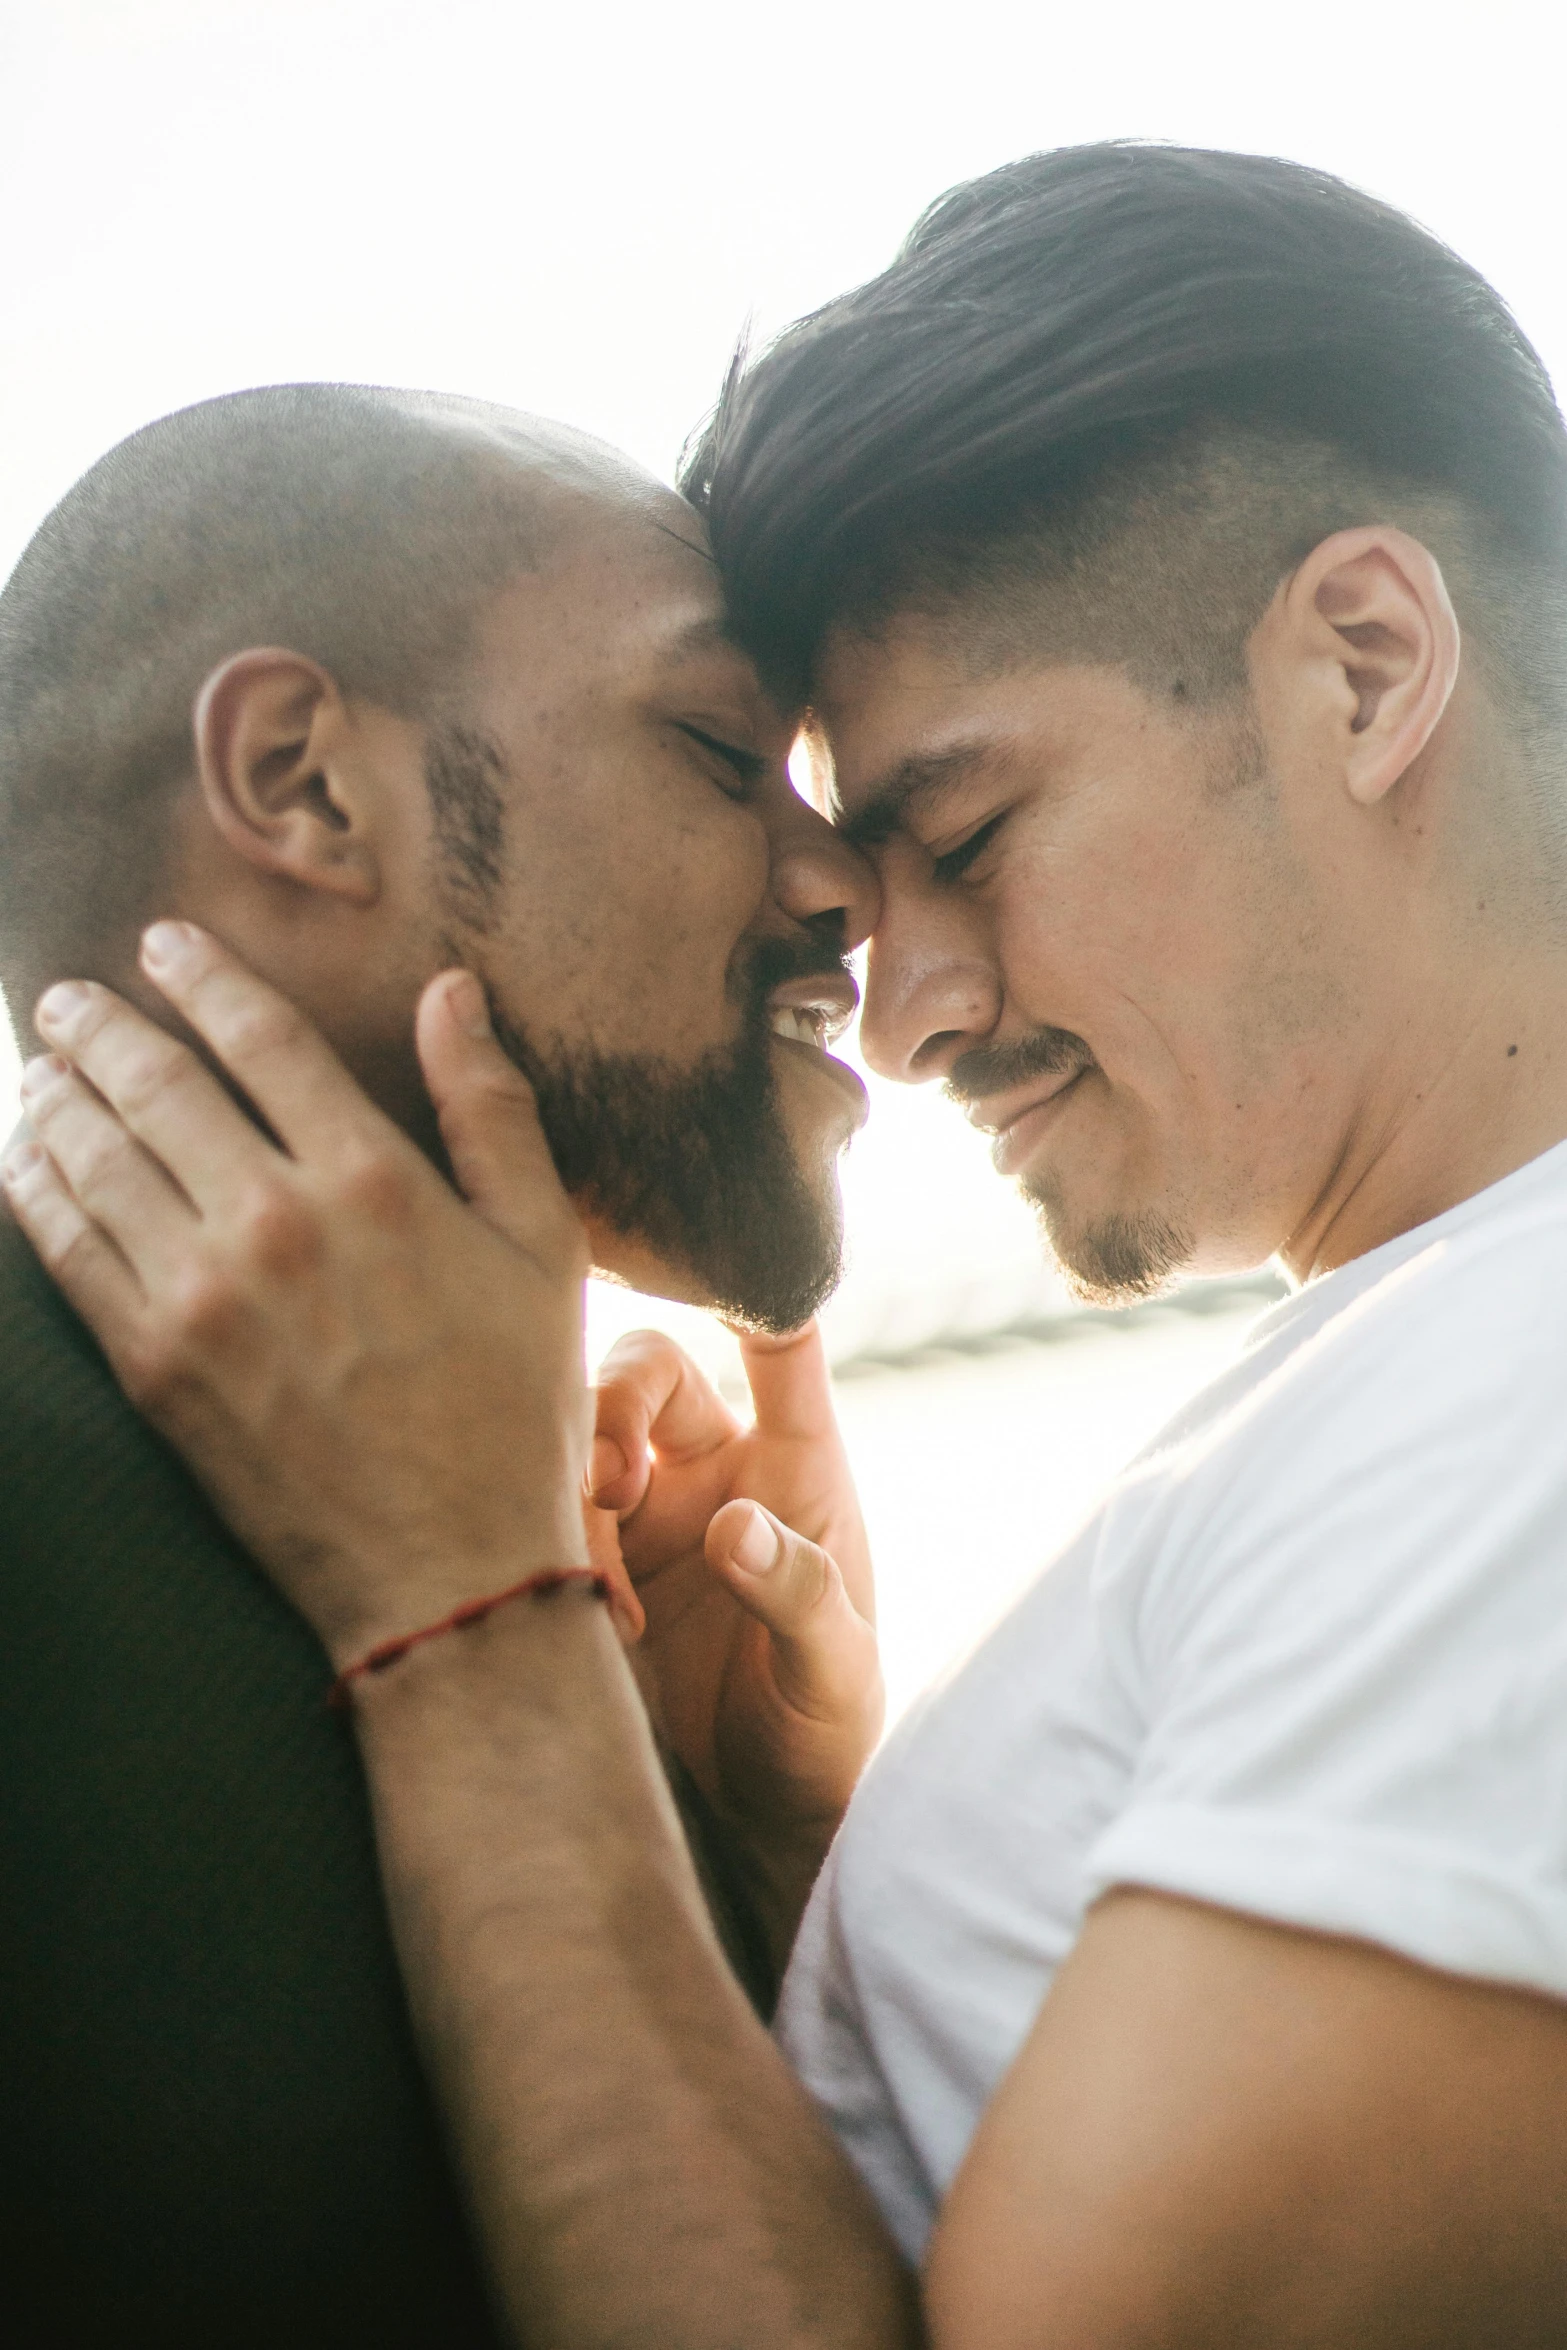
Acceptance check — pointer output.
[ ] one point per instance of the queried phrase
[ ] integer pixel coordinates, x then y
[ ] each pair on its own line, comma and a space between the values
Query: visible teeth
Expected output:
801, 1027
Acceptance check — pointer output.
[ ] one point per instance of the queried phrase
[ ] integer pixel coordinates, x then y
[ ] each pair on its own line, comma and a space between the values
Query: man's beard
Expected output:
1114, 1260
697, 1163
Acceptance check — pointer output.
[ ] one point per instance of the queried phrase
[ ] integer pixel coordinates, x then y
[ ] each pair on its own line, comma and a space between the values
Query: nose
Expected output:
818, 879
931, 986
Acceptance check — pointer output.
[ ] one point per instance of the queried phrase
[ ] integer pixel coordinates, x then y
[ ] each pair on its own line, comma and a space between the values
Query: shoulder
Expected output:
1439, 1388
1341, 1616
1395, 1482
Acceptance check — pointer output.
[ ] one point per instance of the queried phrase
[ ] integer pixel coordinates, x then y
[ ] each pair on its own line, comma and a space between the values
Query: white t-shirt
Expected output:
1308, 1660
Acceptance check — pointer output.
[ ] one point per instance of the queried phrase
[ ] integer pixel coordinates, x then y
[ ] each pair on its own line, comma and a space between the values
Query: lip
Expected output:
1017, 1122
811, 1056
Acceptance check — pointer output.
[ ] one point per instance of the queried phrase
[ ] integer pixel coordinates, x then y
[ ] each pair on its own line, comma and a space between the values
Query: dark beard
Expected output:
697, 1162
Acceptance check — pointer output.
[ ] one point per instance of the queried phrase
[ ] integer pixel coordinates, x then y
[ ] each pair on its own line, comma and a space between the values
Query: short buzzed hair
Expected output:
1115, 393
363, 528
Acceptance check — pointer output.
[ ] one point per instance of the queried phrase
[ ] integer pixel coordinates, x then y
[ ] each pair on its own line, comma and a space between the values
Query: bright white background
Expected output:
574, 209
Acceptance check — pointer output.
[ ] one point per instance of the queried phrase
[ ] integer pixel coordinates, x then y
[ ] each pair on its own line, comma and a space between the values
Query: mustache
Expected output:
988, 1069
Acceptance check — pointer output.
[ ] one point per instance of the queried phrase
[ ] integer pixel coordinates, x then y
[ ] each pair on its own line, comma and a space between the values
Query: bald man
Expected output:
369, 683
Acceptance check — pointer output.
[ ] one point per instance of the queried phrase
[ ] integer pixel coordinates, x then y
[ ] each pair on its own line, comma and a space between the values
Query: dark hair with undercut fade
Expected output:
1156, 376
364, 528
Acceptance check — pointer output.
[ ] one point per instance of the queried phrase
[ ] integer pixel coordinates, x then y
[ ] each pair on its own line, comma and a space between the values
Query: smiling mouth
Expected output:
1015, 1126
800, 1025
813, 1012
998, 1121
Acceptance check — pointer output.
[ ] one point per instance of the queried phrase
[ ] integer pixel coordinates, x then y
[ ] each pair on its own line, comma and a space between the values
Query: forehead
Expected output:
893, 707
626, 602
908, 715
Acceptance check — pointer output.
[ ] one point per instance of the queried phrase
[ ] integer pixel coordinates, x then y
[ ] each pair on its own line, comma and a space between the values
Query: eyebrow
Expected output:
912, 785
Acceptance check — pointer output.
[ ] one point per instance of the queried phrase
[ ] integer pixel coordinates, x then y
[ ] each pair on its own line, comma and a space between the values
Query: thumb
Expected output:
490, 1124
825, 1655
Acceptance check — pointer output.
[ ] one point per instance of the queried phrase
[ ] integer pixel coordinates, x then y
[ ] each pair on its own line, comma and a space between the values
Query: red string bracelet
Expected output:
390, 1652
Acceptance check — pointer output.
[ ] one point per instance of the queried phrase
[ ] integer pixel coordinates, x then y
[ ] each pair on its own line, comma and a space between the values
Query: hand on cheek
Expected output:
381, 1390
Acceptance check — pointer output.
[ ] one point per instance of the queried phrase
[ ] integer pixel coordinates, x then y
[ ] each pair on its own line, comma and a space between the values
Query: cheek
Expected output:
1137, 929
633, 940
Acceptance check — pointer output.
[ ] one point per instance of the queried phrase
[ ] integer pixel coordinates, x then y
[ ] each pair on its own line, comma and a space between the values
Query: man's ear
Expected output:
1370, 611
274, 760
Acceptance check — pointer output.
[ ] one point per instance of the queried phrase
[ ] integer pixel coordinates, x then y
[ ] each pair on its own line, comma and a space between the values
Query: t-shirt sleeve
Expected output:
1347, 1630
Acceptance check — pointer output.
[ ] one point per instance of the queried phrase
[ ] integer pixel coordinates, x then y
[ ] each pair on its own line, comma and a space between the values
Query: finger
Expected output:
115, 1183
490, 1124
604, 1553
825, 1656
86, 1264
277, 1057
790, 1384
650, 1393
174, 1106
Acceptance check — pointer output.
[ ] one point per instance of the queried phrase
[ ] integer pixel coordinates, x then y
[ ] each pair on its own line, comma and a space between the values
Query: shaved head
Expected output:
366, 529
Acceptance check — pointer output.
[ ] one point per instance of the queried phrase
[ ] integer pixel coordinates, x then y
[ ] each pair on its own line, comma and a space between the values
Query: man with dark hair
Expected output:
1169, 549
461, 693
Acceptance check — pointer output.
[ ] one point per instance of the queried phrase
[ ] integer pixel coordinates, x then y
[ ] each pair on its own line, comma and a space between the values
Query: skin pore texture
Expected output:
603, 829
1281, 971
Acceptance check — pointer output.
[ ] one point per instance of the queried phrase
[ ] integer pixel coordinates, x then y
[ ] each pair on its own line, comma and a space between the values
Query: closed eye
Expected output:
956, 862
747, 767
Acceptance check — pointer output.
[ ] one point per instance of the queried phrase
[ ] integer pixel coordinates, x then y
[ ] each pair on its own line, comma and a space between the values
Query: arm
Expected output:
1218, 2132
1223, 2133
384, 1394
641, 2163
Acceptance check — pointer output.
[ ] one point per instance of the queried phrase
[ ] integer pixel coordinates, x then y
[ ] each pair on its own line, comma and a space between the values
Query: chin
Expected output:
1111, 1256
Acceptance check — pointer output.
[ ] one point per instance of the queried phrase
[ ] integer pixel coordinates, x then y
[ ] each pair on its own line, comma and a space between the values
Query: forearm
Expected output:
642, 2167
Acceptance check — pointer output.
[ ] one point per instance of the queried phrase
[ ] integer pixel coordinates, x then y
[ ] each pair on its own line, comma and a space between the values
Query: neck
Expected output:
1476, 1088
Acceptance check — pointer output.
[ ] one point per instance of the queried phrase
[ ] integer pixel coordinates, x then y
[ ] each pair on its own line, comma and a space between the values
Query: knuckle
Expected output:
494, 1084
148, 1068
67, 1249
378, 1186
93, 1149
815, 1578
97, 1010
206, 1309
648, 1350
258, 1025
619, 1405
280, 1233
151, 1369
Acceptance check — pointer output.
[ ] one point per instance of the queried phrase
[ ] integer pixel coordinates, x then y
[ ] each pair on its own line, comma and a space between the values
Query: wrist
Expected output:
369, 1605
532, 1660
386, 1655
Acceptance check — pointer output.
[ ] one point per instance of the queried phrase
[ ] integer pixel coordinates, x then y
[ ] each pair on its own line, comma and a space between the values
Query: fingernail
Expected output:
166, 945
758, 1547
606, 1462
20, 1161
60, 1004
468, 1007
42, 1075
